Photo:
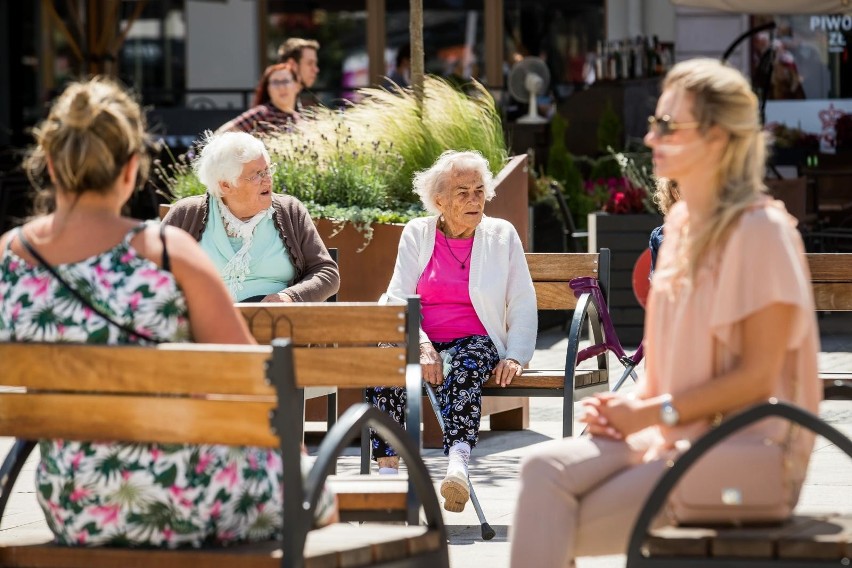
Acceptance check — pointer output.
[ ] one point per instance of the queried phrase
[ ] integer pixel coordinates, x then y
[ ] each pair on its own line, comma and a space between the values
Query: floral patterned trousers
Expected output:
459, 396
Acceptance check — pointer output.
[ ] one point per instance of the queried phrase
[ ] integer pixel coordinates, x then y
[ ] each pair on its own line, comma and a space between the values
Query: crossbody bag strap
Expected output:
30, 249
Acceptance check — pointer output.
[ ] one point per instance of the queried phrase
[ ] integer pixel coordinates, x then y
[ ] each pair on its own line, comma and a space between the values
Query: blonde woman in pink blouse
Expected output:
730, 323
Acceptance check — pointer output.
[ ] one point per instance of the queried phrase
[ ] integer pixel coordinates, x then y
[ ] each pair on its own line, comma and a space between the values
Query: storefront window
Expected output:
804, 57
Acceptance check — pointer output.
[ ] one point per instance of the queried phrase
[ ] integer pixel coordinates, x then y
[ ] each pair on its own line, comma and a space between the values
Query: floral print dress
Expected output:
97, 493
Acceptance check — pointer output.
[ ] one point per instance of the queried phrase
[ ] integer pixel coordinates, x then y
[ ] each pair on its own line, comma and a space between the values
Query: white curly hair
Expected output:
431, 182
223, 156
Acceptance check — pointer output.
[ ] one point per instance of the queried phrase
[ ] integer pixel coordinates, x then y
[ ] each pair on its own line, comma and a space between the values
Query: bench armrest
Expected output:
660, 493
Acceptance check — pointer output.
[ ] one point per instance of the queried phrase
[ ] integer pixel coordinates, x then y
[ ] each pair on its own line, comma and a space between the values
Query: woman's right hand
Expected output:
431, 364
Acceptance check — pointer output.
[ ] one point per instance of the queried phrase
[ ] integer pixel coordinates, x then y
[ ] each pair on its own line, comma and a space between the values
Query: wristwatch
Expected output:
668, 413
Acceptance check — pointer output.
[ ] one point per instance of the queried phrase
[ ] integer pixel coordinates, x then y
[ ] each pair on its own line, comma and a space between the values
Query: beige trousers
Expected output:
580, 497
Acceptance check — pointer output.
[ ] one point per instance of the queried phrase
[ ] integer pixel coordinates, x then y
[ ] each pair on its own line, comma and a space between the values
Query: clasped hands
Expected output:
616, 416
433, 367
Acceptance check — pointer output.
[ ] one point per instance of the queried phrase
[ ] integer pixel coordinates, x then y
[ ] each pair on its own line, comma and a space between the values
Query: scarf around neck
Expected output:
238, 267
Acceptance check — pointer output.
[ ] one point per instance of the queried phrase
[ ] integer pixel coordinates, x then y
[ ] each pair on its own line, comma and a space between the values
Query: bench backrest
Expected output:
137, 394
194, 393
337, 343
551, 273
831, 277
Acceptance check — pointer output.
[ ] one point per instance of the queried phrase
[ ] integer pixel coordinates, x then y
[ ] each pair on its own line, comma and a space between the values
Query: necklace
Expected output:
462, 263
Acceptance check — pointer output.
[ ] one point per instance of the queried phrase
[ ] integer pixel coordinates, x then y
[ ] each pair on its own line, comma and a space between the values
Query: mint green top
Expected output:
270, 267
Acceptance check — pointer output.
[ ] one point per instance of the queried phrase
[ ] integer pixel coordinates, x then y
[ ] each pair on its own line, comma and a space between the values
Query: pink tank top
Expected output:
444, 292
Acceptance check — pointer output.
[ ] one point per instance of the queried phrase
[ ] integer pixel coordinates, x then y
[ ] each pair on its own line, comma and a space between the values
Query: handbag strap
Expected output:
83, 300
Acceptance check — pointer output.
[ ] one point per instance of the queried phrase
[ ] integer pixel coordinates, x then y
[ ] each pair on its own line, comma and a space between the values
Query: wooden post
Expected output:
415, 30
376, 40
494, 44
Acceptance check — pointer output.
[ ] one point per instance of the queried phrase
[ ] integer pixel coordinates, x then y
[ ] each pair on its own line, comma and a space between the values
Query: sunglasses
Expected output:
663, 126
280, 82
263, 174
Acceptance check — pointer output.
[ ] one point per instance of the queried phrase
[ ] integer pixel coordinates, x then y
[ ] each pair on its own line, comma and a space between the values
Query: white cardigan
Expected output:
501, 289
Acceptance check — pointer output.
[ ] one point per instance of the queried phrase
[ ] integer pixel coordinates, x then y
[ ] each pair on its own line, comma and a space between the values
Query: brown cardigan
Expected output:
317, 277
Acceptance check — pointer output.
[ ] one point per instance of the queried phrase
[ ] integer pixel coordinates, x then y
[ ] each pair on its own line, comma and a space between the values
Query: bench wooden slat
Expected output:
562, 267
554, 296
370, 492
830, 267
548, 379
824, 539
829, 296
351, 367
178, 368
336, 546
802, 537
307, 323
137, 419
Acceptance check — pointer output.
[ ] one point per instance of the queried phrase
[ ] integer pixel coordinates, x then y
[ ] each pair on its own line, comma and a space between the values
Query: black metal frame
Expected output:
413, 408
588, 311
659, 496
298, 512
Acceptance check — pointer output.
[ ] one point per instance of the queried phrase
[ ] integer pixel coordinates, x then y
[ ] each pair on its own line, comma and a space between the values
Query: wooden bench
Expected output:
361, 327
250, 395
831, 278
805, 540
509, 406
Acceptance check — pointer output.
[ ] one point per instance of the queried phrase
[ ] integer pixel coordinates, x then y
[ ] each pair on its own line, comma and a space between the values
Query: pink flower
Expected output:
178, 494
108, 512
167, 534
273, 461
13, 265
39, 284
216, 510
155, 453
125, 475
228, 475
79, 493
158, 277
82, 537
252, 459
16, 311
128, 256
134, 300
75, 461
203, 462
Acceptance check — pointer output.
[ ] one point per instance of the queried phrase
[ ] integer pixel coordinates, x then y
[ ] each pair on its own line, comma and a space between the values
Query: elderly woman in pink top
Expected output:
479, 307
730, 323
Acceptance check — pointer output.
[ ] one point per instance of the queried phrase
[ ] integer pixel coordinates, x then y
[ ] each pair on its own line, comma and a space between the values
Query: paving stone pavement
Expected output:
496, 459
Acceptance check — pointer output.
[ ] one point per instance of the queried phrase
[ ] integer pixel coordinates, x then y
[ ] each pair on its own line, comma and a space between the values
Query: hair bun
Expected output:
80, 112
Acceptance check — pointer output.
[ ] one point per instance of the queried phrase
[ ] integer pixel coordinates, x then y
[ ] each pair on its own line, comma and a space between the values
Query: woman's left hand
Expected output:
279, 297
619, 415
506, 370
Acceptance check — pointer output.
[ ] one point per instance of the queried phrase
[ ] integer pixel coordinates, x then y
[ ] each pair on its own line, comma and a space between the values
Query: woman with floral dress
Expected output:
140, 284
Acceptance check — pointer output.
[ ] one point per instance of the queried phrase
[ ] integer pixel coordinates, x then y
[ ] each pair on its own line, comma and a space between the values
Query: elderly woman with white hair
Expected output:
479, 307
264, 245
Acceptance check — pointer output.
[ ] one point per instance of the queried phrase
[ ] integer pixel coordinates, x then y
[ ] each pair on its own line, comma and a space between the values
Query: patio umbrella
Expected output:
773, 6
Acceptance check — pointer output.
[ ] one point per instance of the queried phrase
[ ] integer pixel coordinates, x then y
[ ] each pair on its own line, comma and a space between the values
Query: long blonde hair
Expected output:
722, 97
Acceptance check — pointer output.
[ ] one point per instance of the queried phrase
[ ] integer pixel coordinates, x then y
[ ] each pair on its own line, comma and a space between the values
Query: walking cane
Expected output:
487, 532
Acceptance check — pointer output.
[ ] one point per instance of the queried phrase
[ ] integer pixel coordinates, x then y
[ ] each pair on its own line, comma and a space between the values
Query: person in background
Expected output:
400, 76
479, 307
717, 339
665, 195
119, 280
264, 245
303, 53
274, 105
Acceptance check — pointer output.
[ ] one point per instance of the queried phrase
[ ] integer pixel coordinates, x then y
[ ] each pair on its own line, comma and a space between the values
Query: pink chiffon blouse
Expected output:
694, 332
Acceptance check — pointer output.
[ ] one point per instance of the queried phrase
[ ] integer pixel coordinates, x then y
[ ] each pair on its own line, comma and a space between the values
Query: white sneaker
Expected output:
455, 491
